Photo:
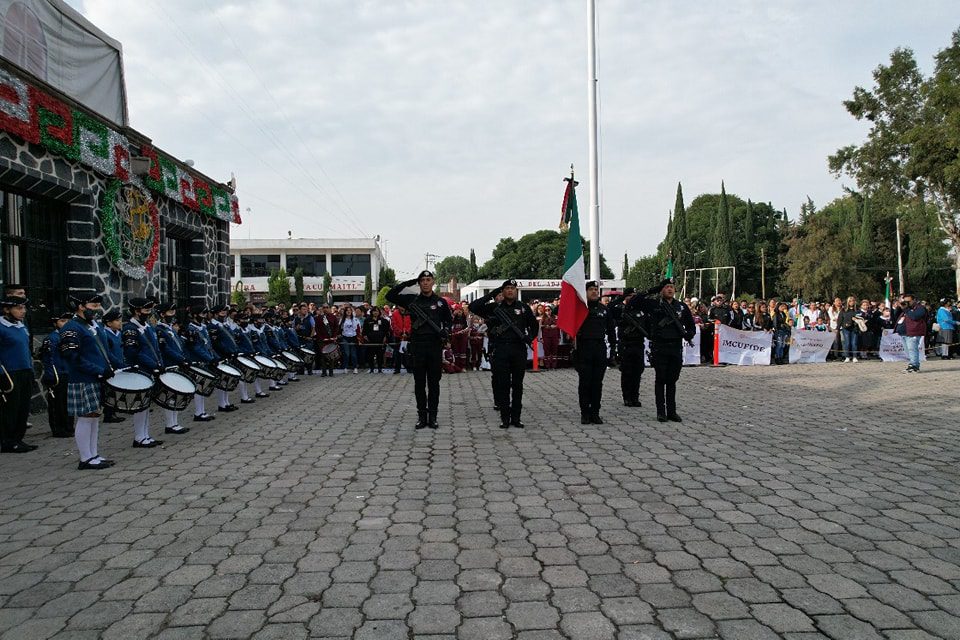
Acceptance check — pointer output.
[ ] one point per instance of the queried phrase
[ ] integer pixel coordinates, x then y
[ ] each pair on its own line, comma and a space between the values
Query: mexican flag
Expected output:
669, 274
573, 289
886, 297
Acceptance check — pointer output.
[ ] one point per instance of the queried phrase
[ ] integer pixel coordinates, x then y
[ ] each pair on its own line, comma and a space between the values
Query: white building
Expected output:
348, 261
539, 289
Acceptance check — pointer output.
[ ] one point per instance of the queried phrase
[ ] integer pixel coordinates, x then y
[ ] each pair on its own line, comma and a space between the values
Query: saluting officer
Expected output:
590, 357
671, 323
511, 326
173, 355
631, 331
141, 349
430, 321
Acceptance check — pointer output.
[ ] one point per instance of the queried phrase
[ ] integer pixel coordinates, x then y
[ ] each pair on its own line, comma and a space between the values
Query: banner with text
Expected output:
744, 347
810, 346
891, 347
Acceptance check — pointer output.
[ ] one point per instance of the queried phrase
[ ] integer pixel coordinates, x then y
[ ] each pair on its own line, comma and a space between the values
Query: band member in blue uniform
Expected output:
258, 337
81, 348
274, 344
245, 347
16, 378
199, 350
55, 378
430, 329
224, 346
172, 354
113, 343
142, 350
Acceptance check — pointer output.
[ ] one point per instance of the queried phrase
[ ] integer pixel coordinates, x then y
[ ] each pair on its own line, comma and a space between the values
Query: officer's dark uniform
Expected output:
508, 361
590, 359
430, 321
631, 330
670, 324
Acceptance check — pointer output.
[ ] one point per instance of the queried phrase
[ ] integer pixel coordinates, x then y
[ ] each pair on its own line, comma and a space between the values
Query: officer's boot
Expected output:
661, 403
421, 419
432, 420
504, 419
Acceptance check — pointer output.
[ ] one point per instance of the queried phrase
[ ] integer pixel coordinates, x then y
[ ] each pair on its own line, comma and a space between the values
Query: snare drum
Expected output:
272, 370
249, 369
127, 392
330, 353
203, 378
174, 391
291, 359
309, 356
228, 377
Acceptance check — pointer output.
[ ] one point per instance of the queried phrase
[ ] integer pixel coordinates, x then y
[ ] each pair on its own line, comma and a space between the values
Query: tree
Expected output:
536, 255
388, 277
644, 273
677, 244
912, 146
237, 296
818, 266
626, 266
382, 296
721, 249
327, 283
865, 246
367, 288
278, 288
474, 270
454, 267
298, 283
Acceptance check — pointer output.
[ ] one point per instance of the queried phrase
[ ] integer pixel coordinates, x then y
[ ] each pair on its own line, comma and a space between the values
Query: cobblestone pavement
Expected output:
798, 502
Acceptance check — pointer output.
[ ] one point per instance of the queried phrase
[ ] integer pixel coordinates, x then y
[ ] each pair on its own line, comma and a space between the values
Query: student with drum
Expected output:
81, 348
142, 350
16, 376
274, 346
109, 335
247, 339
327, 332
224, 346
55, 380
306, 332
199, 351
172, 355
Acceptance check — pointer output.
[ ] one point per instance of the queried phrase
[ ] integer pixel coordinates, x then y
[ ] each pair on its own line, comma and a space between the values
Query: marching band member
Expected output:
460, 337
273, 341
17, 362
279, 330
82, 350
327, 331
142, 349
224, 346
112, 342
199, 349
246, 347
55, 378
258, 337
306, 330
173, 355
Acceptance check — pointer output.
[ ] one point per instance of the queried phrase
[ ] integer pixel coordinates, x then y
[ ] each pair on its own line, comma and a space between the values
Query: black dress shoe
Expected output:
517, 424
632, 403
263, 395
661, 417
673, 417
107, 462
247, 400
596, 419
421, 420
113, 420
146, 444
32, 447
14, 447
204, 418
176, 430
89, 464
432, 422
228, 408
504, 424
584, 419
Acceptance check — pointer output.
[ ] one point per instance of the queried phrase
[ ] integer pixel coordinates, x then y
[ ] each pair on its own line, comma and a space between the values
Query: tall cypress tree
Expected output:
626, 265
748, 229
473, 265
865, 246
677, 242
721, 252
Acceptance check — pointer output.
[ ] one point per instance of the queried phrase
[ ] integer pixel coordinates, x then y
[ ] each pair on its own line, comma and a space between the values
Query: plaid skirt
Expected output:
83, 398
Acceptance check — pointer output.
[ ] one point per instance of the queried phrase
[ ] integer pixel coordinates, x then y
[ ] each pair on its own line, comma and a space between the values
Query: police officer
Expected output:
631, 331
430, 321
511, 326
590, 355
670, 324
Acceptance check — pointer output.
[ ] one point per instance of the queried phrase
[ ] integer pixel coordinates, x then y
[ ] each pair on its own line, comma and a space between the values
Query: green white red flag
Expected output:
573, 287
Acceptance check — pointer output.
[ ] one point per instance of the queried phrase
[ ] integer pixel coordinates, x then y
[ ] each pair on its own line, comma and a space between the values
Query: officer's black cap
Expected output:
167, 306
592, 283
509, 283
629, 291
665, 282
425, 274
85, 298
142, 303
110, 316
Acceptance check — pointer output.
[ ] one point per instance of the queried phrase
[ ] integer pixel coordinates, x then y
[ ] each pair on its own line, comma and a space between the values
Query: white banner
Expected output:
891, 347
745, 347
691, 355
810, 346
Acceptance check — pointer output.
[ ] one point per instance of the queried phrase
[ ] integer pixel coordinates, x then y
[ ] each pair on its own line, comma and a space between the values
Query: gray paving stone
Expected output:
844, 627
532, 615
484, 629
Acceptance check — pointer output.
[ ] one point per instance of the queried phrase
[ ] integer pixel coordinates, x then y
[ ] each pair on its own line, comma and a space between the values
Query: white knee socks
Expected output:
256, 385
141, 425
244, 395
94, 436
81, 433
173, 418
224, 397
199, 407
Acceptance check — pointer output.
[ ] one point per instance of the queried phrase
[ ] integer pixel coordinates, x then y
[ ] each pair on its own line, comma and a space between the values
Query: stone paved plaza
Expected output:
800, 502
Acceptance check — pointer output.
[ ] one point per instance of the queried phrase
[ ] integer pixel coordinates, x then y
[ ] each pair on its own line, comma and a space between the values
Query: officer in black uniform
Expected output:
670, 323
430, 321
631, 330
511, 326
590, 355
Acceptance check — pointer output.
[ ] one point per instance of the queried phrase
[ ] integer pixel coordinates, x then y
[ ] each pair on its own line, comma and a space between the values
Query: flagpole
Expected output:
594, 217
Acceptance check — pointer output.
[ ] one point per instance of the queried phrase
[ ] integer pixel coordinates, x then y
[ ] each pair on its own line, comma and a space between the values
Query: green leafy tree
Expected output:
278, 288
298, 283
645, 273
677, 243
367, 287
382, 296
327, 283
388, 276
721, 247
238, 296
865, 244
454, 266
536, 255
474, 270
626, 266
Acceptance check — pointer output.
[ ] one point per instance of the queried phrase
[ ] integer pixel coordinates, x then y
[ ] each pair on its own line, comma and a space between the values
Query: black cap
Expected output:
110, 316
510, 282
592, 283
141, 303
13, 286
667, 281
629, 291
66, 315
77, 299
167, 306
425, 274
199, 309
218, 308
11, 301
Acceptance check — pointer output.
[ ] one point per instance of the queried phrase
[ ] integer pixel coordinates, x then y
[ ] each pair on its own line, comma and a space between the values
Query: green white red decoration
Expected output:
131, 228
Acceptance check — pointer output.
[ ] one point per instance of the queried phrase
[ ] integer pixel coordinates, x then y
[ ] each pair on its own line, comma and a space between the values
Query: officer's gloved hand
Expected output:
654, 290
496, 292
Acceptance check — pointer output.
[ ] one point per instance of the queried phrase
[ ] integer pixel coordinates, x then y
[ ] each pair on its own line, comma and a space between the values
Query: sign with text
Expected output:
891, 347
810, 346
744, 347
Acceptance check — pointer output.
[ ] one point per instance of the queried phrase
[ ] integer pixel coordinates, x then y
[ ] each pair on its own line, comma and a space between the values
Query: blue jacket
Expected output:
171, 346
223, 343
81, 349
54, 368
113, 343
198, 346
292, 338
273, 344
15, 346
945, 319
140, 346
259, 341
243, 341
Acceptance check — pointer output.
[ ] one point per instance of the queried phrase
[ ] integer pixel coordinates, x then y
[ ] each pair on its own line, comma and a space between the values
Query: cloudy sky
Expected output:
443, 125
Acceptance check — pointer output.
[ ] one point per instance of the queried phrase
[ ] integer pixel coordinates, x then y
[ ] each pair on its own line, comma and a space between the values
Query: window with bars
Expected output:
178, 271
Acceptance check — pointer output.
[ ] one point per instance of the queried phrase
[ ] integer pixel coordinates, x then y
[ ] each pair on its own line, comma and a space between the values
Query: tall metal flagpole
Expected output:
592, 126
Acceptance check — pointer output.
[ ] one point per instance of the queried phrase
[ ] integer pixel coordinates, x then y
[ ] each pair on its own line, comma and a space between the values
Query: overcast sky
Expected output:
444, 125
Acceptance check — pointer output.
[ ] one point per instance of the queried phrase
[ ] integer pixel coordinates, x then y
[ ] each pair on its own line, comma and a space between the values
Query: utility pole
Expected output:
763, 274
900, 258
429, 259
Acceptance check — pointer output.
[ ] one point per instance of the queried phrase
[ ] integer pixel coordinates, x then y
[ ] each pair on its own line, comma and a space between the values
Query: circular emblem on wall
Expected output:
131, 228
